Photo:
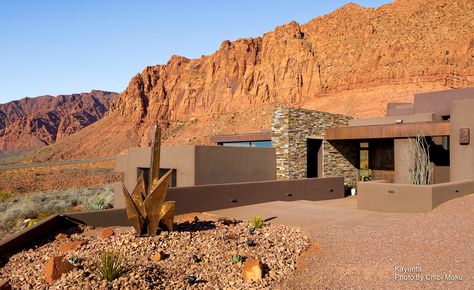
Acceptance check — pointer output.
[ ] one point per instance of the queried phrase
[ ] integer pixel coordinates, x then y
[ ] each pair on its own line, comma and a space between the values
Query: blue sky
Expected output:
62, 47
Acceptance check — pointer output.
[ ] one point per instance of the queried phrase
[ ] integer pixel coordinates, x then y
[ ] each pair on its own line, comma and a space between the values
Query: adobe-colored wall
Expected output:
198, 165
392, 197
401, 146
462, 156
219, 164
426, 117
440, 102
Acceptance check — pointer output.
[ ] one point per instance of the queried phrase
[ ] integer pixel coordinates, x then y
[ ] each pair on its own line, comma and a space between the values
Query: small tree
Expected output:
418, 155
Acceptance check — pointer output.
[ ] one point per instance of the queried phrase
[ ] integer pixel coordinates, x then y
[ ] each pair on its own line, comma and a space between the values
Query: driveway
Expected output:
358, 249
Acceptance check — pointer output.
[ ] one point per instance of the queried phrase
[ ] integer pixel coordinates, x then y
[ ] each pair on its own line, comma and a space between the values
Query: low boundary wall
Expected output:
392, 197
188, 199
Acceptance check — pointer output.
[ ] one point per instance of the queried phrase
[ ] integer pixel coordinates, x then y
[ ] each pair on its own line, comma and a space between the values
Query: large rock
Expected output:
105, 233
252, 270
70, 246
55, 267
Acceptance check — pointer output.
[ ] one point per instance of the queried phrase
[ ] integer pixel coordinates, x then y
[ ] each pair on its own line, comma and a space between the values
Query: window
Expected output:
381, 155
163, 171
263, 143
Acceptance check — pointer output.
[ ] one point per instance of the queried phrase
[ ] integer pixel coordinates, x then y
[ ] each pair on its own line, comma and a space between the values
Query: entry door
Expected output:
313, 157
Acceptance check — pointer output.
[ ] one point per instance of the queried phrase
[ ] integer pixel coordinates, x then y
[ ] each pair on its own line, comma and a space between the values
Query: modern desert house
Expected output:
306, 143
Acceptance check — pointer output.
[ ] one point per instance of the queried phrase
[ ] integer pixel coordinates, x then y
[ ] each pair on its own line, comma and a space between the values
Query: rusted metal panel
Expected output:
389, 131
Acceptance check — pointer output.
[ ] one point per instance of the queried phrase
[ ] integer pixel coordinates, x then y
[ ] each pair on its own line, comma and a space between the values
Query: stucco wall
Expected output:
461, 156
290, 130
218, 164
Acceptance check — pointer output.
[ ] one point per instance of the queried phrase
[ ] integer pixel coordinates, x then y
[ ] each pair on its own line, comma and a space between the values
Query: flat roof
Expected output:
389, 131
259, 136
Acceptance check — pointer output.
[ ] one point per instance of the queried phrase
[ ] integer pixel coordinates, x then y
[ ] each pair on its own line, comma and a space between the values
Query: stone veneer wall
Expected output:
290, 129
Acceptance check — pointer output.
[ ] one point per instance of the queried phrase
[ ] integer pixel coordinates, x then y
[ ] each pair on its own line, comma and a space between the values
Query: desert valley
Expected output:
352, 62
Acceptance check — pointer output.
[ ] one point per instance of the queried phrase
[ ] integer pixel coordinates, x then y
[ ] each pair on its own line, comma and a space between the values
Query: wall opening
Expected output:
314, 155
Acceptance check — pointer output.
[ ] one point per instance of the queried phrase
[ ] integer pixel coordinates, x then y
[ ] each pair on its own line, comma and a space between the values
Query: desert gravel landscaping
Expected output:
213, 242
369, 253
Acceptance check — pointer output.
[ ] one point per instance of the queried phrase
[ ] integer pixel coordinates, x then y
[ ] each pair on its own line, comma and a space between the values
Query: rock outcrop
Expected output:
36, 122
352, 48
351, 61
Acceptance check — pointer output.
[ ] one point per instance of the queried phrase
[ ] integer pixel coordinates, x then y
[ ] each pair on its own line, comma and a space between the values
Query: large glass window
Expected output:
264, 143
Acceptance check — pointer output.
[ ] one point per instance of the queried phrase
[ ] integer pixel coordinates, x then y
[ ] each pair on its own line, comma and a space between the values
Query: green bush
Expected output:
237, 258
257, 222
111, 266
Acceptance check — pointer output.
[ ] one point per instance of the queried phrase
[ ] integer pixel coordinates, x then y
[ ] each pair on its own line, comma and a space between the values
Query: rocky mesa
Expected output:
35, 122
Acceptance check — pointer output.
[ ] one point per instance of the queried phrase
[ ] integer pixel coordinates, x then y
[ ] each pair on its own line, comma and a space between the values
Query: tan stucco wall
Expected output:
218, 164
392, 197
461, 156
401, 163
427, 117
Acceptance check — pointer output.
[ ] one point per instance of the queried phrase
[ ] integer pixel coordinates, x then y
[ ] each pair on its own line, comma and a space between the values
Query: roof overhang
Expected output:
260, 136
389, 131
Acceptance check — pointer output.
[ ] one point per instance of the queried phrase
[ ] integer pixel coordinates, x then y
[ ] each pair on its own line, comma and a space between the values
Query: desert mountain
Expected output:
36, 122
351, 61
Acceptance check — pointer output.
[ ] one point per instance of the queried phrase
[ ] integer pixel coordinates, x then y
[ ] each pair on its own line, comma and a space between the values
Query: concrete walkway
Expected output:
312, 215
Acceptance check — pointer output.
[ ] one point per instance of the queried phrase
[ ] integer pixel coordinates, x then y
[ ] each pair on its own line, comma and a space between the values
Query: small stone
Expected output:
5, 285
105, 233
55, 267
160, 255
66, 247
250, 243
61, 236
251, 231
196, 259
192, 280
252, 270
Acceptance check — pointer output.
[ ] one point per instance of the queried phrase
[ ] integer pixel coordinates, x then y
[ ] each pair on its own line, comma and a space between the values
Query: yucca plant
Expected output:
97, 204
257, 222
111, 266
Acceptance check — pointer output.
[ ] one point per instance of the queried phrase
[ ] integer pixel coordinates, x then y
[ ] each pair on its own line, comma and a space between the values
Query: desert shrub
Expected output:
257, 222
237, 259
111, 266
39, 205
5, 196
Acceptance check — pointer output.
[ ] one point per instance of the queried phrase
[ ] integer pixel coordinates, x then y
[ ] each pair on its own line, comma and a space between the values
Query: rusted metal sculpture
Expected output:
146, 207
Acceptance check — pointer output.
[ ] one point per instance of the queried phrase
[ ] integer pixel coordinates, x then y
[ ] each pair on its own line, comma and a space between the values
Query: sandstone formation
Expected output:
35, 122
351, 61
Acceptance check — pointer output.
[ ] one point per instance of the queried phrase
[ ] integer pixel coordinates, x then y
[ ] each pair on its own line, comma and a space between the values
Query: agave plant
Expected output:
146, 207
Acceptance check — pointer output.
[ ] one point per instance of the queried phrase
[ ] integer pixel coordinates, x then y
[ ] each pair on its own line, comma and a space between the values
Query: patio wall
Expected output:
188, 199
392, 197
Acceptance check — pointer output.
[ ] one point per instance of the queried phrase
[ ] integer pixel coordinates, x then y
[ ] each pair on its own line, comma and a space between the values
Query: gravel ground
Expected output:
211, 240
439, 243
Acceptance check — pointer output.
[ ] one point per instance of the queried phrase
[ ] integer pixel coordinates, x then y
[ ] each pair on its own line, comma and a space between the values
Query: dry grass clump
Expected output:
23, 210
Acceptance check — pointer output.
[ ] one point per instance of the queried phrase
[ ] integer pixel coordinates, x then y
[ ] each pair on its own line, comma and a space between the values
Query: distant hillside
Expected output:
351, 61
36, 122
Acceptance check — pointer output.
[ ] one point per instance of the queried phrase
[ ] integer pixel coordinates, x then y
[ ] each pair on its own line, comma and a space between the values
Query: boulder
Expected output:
55, 267
66, 247
5, 284
252, 270
105, 233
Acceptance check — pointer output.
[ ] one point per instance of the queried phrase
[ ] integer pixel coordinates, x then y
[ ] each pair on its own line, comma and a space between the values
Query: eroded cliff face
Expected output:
36, 122
352, 61
404, 42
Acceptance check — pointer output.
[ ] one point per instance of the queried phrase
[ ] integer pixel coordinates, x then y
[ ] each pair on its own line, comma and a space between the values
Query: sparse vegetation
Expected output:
4, 197
98, 202
36, 206
237, 258
257, 222
111, 266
